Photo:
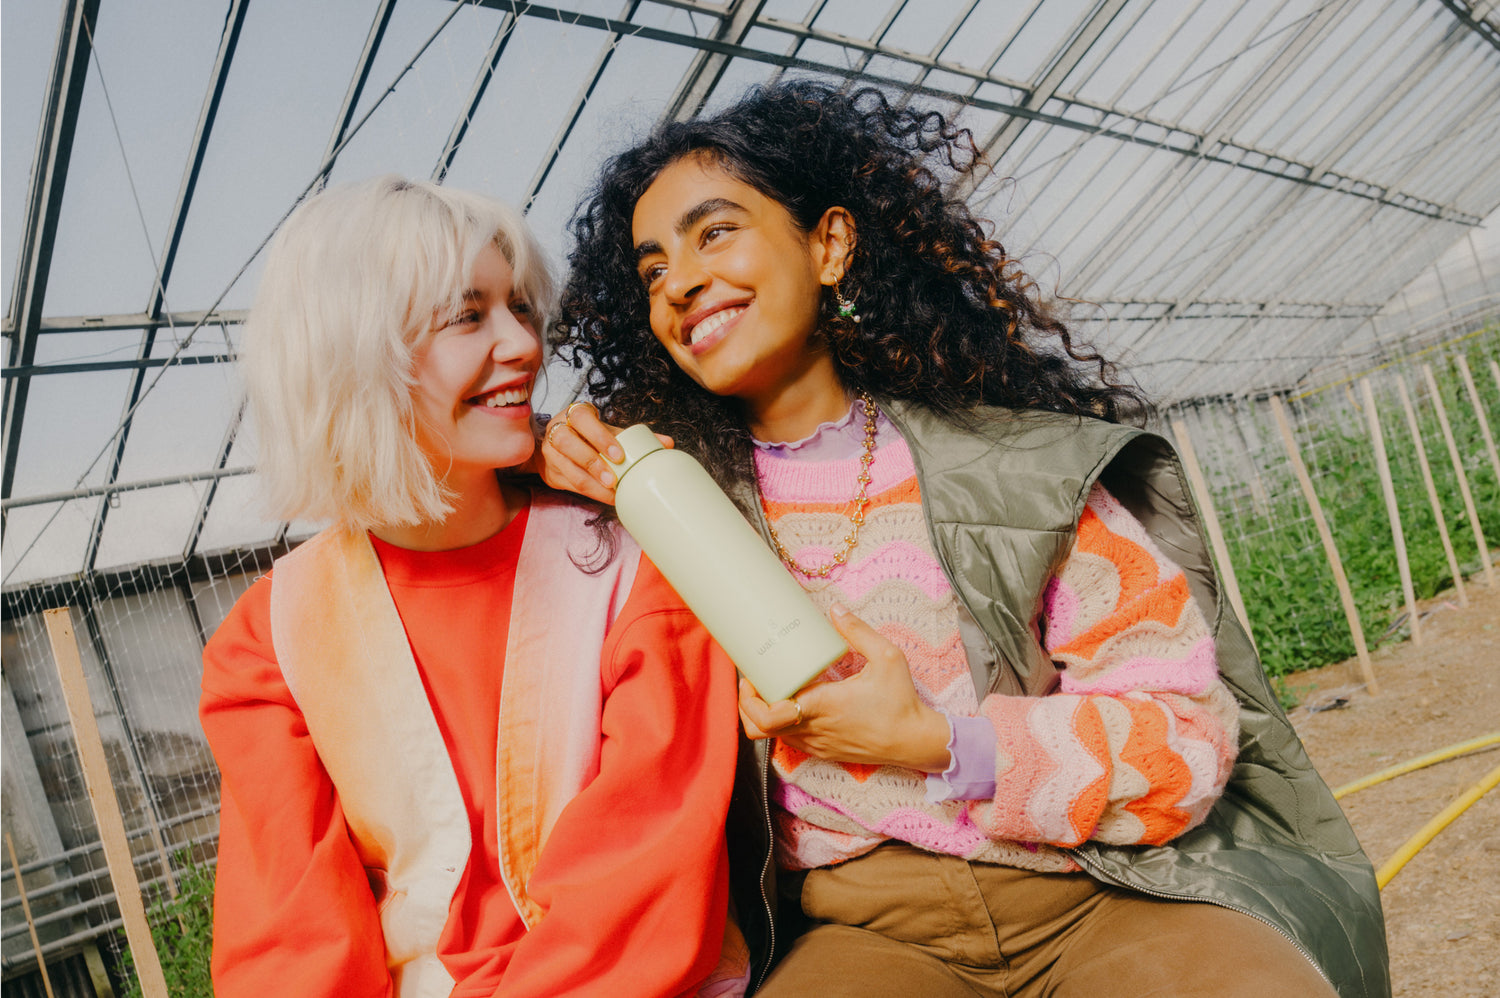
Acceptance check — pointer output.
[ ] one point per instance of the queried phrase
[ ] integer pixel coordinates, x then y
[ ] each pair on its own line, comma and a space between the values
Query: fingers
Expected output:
572, 449
764, 720
596, 435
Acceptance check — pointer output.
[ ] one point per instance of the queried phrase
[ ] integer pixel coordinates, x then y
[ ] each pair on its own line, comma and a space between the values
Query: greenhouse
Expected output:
1281, 220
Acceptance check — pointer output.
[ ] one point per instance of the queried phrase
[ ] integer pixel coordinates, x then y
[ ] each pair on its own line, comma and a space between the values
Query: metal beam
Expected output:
234, 20
49, 174
356, 86
1291, 199
135, 364
1052, 76
117, 488
1480, 27
1187, 143
708, 67
620, 27
498, 44
135, 320
229, 36
1133, 223
230, 433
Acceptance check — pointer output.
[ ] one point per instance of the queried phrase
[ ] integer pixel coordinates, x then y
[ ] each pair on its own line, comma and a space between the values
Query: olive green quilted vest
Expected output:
1003, 493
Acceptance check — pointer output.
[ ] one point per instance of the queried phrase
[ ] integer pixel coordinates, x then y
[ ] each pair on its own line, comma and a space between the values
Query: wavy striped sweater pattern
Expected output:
1134, 746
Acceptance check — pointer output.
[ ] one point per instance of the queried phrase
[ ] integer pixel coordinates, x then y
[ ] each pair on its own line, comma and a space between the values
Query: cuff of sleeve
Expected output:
971, 770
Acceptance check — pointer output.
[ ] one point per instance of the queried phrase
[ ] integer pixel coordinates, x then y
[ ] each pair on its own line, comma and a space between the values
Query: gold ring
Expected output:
553, 424
568, 412
798, 704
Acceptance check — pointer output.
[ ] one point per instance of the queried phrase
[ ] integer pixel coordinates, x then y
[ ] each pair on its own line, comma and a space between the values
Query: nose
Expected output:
515, 341
684, 280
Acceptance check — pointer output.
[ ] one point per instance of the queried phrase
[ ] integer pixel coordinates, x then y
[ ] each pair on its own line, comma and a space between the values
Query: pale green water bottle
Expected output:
721, 568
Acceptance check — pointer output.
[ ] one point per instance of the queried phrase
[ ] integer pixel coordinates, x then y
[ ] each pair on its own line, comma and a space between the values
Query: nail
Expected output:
616, 454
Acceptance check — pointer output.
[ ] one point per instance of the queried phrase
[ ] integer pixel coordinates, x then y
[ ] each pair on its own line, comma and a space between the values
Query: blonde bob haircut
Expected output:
354, 282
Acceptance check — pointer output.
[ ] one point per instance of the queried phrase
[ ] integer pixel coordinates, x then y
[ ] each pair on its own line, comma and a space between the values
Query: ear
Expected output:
833, 241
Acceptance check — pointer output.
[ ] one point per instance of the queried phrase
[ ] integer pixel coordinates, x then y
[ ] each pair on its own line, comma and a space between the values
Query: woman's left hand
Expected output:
874, 717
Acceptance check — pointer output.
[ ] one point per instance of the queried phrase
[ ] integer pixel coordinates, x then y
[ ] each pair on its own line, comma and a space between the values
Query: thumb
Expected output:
864, 639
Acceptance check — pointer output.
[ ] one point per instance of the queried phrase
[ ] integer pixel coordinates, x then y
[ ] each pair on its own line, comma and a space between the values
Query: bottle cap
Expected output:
636, 441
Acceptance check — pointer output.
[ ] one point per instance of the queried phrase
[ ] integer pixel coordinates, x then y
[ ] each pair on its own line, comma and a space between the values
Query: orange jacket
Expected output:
612, 851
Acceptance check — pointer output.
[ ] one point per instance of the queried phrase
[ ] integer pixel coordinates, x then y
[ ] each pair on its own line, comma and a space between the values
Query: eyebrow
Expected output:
688, 219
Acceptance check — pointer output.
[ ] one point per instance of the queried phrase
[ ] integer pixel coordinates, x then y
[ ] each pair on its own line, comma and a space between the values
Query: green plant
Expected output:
1287, 585
182, 928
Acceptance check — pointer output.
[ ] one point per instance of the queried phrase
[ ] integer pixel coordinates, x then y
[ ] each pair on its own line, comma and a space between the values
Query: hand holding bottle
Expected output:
573, 451
873, 717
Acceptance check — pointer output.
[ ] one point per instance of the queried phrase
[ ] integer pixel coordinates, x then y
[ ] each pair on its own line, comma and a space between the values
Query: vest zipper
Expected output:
760, 973
1099, 873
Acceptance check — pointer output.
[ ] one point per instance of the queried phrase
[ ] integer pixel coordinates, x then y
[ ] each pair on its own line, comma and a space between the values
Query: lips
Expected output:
700, 330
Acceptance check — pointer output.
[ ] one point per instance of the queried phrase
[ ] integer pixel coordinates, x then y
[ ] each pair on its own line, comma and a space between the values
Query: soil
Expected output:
1442, 909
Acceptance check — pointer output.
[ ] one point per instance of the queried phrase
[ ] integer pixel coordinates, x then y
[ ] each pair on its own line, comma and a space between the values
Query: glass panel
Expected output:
47, 541
237, 517
291, 71
71, 418
156, 653
104, 261
214, 598
993, 24
148, 525
26, 45
31, 673
854, 18
179, 424
407, 133
921, 25
526, 105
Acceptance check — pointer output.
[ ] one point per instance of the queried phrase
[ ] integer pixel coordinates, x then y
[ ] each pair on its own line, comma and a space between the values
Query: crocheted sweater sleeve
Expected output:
1138, 741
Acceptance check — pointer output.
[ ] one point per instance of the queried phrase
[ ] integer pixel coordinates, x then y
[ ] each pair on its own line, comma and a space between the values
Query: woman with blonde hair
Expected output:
470, 741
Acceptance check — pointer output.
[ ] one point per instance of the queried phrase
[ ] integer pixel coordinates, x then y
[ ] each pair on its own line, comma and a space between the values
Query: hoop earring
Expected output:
845, 305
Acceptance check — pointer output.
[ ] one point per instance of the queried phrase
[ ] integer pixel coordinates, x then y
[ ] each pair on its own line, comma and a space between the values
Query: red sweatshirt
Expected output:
634, 875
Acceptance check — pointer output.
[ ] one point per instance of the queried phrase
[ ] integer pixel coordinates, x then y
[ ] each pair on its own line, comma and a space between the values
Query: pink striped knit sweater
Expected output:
1133, 747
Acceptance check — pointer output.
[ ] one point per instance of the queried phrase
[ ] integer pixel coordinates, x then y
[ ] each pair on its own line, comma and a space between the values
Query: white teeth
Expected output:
513, 396
716, 321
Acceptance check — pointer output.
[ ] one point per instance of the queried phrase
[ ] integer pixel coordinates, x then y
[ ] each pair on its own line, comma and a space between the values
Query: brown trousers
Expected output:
902, 923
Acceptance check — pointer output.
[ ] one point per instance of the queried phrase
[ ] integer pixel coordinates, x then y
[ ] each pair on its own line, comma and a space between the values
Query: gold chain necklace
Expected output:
860, 501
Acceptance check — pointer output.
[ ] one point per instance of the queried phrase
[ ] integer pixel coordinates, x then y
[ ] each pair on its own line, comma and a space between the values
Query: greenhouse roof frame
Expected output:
1189, 166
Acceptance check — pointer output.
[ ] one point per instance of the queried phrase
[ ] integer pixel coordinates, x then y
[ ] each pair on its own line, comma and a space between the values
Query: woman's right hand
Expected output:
571, 456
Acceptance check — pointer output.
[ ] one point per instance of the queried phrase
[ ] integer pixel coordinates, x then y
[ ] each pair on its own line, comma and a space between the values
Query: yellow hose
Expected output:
1444, 818
1462, 748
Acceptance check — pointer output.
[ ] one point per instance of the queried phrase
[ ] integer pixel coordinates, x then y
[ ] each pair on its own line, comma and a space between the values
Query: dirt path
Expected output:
1443, 909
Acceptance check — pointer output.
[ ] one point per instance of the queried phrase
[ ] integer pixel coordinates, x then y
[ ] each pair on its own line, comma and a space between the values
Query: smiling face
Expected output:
734, 288
474, 374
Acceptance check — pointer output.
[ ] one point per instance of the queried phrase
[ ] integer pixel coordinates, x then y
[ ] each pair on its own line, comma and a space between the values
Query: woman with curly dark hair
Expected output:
1016, 783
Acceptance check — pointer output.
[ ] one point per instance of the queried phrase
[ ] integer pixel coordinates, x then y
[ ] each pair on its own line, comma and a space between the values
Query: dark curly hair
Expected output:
948, 319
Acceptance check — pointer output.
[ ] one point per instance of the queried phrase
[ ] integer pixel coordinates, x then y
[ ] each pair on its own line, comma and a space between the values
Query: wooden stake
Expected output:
36, 943
1484, 422
1463, 478
1432, 496
1346, 596
106, 806
1211, 523
1387, 486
